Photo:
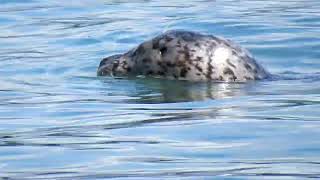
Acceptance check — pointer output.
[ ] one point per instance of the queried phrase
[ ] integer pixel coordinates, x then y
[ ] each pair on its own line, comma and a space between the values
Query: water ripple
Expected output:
59, 121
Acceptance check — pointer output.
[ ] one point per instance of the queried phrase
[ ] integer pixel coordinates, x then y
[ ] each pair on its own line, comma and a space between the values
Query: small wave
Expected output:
291, 75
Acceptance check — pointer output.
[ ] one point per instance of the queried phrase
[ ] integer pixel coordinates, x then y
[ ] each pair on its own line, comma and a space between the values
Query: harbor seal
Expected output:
185, 55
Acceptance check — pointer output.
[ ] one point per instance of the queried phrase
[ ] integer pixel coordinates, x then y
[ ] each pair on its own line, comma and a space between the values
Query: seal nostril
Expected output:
103, 62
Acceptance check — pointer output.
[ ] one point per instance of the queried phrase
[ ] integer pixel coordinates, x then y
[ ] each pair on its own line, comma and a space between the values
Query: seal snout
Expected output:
102, 70
103, 62
107, 65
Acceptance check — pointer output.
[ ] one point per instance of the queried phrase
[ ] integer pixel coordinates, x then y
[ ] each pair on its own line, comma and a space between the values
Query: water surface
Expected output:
59, 121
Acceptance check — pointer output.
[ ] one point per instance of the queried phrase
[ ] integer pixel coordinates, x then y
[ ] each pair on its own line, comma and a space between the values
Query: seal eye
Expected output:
163, 50
115, 66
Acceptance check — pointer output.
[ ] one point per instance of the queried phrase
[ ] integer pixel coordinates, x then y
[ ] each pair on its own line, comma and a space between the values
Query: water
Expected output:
59, 121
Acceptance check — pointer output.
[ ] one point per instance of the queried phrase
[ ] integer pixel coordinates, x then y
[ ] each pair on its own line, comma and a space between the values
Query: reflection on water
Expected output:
153, 90
59, 121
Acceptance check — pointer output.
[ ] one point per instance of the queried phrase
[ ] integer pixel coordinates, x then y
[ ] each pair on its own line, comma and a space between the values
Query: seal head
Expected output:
185, 55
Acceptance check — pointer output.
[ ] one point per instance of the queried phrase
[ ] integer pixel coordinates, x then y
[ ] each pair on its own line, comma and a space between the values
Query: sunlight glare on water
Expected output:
59, 121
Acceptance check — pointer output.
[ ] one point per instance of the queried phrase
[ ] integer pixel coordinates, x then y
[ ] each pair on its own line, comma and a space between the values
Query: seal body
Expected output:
185, 55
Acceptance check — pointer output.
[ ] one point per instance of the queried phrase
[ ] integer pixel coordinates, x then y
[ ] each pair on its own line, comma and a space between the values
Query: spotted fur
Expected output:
186, 55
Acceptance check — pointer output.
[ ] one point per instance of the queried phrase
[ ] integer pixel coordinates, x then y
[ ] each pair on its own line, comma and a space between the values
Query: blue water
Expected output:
59, 121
